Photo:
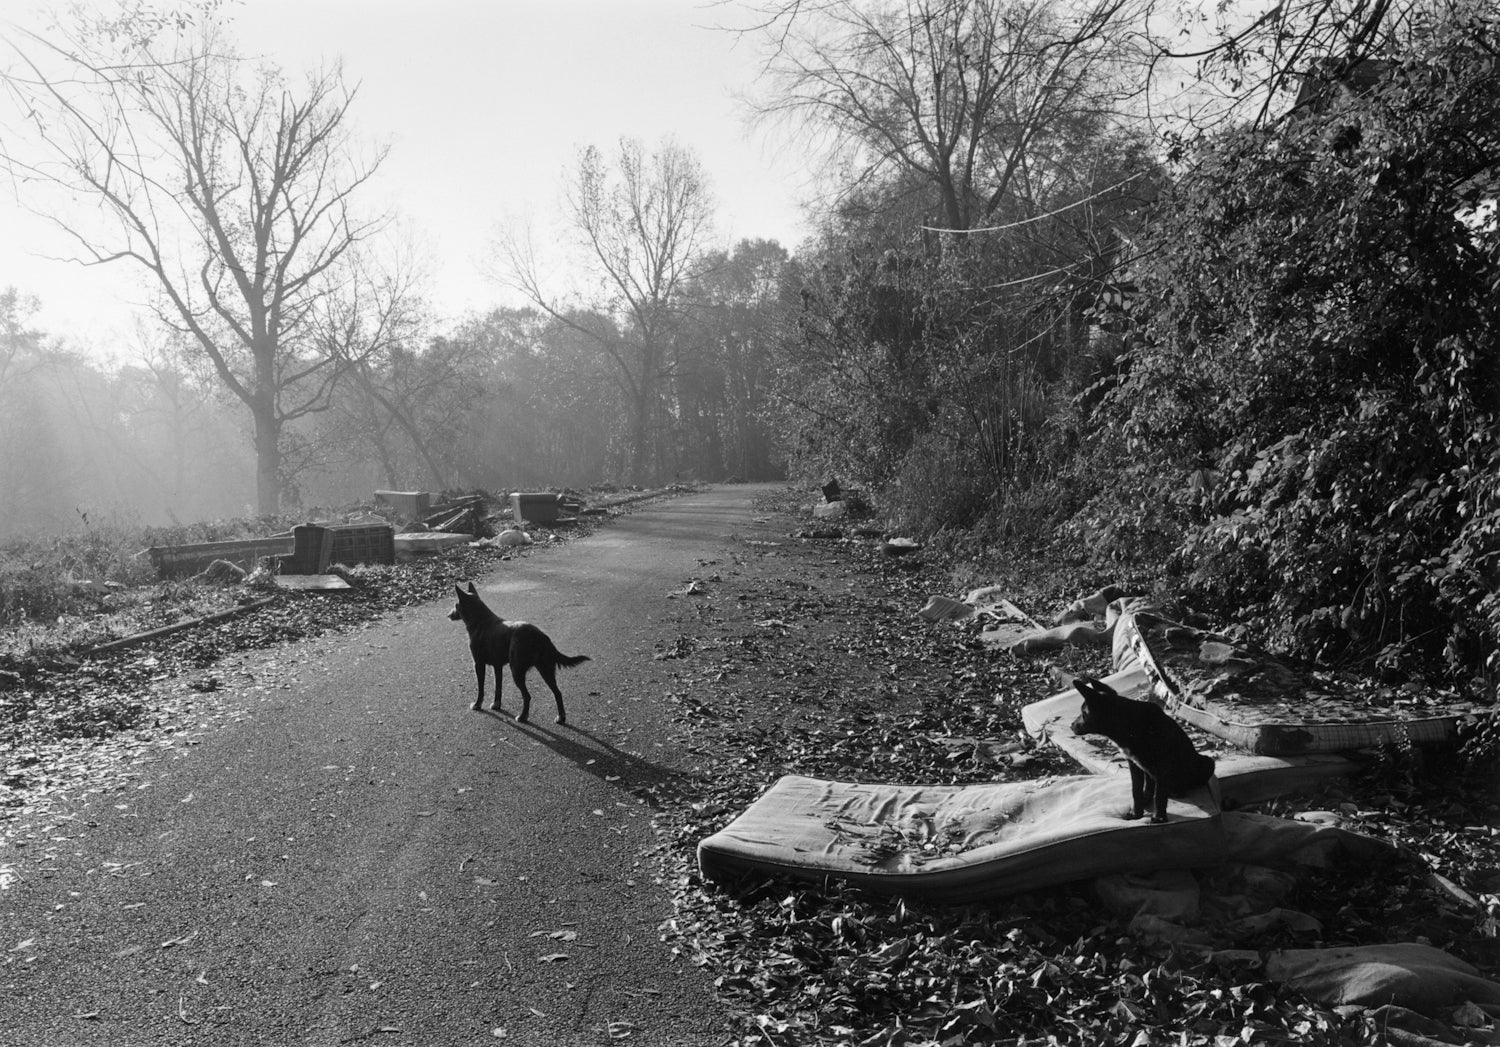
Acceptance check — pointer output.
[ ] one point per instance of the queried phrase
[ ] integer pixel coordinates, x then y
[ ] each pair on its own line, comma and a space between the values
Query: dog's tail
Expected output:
568, 662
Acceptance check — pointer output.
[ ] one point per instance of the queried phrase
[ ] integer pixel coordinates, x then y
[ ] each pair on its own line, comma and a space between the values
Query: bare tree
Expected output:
956, 96
642, 224
231, 188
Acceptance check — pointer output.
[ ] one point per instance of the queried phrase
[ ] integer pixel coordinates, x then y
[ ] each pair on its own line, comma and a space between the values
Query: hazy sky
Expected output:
484, 104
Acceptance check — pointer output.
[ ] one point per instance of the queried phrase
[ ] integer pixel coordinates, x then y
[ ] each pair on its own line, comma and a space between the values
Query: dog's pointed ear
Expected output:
472, 589
458, 588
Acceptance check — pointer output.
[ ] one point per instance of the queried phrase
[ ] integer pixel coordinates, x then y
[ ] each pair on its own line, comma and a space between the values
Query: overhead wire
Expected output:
1037, 218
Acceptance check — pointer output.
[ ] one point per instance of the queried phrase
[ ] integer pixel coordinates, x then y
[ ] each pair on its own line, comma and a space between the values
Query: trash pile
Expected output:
1211, 877
406, 526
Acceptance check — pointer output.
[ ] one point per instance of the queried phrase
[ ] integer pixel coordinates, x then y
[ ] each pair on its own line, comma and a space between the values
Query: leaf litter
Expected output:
852, 685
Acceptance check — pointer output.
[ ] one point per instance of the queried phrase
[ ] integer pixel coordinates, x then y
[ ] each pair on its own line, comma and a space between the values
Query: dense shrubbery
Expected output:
1296, 416
1321, 354
65, 573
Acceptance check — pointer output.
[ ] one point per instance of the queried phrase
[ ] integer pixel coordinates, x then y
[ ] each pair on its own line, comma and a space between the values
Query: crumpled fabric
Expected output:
1410, 975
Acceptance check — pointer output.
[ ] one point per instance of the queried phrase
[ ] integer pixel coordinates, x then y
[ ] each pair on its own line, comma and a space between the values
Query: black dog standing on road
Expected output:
1161, 755
494, 641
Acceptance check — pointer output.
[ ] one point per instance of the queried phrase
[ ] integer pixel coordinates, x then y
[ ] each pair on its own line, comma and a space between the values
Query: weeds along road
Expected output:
352, 855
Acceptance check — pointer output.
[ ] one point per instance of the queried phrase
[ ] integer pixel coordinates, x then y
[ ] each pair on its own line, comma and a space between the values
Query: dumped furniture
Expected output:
460, 516
413, 506
534, 507
316, 546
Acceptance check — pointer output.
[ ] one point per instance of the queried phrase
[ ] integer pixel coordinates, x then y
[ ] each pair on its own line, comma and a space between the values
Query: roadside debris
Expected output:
222, 572
1115, 956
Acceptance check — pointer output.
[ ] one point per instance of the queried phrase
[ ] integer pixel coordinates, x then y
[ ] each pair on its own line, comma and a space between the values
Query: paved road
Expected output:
350, 855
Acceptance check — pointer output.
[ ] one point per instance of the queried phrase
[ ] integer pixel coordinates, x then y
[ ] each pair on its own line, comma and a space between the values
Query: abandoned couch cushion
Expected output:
958, 843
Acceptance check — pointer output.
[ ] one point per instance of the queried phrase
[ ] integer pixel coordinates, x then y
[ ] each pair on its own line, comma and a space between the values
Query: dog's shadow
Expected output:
599, 757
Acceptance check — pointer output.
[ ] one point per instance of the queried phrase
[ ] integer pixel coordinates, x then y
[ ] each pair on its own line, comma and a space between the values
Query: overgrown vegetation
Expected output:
1320, 344
1266, 368
102, 567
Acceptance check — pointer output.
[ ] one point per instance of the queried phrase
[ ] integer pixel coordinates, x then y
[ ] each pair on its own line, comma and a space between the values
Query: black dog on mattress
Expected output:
1162, 759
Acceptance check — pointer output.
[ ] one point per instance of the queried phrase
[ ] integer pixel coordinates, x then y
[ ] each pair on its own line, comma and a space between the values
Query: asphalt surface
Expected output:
346, 853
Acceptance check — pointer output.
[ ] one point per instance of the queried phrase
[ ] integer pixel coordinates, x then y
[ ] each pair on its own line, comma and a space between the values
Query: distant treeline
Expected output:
511, 400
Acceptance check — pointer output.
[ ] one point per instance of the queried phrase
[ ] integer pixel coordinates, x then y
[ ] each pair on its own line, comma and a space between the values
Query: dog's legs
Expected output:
479, 696
548, 673
1158, 801
518, 674
1137, 791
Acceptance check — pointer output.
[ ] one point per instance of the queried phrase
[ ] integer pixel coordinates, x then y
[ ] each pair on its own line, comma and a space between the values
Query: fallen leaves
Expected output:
857, 687
566, 934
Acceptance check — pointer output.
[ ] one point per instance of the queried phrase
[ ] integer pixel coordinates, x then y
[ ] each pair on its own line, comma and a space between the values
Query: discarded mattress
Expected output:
1254, 702
1243, 778
958, 844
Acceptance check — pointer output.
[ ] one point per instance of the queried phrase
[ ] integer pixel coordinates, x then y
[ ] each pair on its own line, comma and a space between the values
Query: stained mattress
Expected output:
959, 844
1255, 703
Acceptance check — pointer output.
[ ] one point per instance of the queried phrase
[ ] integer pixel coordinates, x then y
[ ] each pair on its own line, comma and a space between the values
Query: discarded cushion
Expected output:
1406, 974
958, 844
1288, 843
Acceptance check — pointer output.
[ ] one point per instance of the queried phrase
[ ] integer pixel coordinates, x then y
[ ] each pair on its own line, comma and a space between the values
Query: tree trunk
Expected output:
267, 460
640, 437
